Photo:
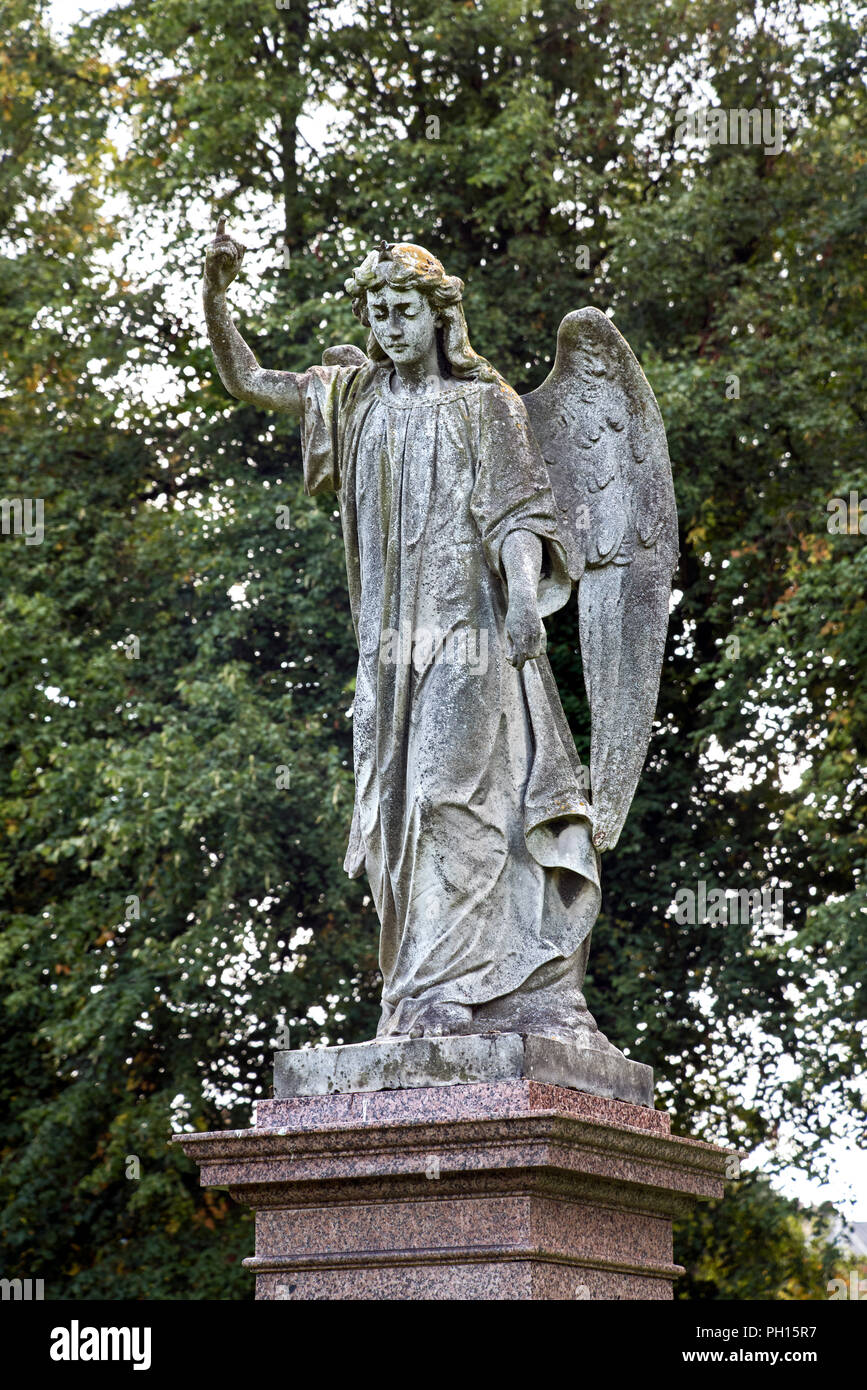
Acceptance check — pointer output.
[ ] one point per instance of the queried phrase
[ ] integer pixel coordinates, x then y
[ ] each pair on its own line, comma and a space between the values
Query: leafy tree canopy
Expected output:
178, 662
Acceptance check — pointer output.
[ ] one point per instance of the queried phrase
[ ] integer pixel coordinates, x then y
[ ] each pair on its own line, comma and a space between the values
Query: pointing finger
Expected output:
221, 227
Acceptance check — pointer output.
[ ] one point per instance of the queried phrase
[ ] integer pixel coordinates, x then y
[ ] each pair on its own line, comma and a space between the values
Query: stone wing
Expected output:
344, 355
600, 431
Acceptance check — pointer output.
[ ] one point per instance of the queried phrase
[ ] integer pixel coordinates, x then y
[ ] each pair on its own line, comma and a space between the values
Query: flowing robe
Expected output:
470, 817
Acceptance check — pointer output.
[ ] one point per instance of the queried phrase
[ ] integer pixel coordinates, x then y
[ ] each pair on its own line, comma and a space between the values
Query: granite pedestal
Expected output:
478, 1188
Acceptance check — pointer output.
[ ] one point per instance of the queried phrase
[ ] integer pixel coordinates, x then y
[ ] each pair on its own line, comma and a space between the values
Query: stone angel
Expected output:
469, 514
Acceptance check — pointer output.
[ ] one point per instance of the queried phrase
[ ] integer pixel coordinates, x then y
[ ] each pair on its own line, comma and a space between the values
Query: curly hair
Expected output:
404, 266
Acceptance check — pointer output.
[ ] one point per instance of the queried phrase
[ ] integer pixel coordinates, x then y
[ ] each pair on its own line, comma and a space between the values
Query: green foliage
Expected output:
171, 903
753, 1245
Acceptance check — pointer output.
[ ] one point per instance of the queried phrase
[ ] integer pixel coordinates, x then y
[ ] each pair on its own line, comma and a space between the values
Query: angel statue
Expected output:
468, 514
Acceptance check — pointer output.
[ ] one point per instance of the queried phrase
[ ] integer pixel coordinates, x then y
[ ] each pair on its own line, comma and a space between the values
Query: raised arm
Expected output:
239, 371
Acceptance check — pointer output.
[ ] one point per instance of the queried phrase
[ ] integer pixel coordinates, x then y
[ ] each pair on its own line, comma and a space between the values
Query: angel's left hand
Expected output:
525, 631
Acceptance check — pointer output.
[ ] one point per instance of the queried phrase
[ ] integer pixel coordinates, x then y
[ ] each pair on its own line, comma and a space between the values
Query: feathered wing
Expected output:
601, 434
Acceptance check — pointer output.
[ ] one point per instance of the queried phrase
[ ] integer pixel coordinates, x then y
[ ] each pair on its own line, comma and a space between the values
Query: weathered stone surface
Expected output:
601, 1072
510, 1190
395, 1063
468, 516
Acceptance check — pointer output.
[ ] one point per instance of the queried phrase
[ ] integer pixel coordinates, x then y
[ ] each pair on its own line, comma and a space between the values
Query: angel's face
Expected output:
403, 323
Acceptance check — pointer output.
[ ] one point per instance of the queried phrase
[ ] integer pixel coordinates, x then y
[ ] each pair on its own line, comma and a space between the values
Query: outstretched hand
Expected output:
223, 259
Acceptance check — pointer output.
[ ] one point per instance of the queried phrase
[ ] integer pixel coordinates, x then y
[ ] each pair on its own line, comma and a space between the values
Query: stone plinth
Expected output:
400, 1063
512, 1189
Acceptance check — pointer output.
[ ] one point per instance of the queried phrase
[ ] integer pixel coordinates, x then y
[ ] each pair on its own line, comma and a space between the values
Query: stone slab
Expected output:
408, 1063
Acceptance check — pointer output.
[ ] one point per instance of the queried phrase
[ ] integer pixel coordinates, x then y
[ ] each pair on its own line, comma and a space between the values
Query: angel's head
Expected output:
403, 295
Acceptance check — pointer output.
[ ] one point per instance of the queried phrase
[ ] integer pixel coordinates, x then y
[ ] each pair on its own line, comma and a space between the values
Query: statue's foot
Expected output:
441, 1020
550, 1005
572, 1024
585, 1034
577, 1027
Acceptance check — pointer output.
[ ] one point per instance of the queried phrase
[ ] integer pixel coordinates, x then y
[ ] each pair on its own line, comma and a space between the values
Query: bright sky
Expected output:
65, 13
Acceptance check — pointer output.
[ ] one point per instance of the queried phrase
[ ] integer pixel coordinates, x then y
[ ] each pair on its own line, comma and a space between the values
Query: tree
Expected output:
178, 669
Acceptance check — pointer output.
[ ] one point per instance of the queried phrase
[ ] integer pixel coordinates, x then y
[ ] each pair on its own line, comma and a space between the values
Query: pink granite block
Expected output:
503, 1190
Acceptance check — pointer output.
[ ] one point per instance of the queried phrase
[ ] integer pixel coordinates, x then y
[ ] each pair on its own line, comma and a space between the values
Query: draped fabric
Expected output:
470, 818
